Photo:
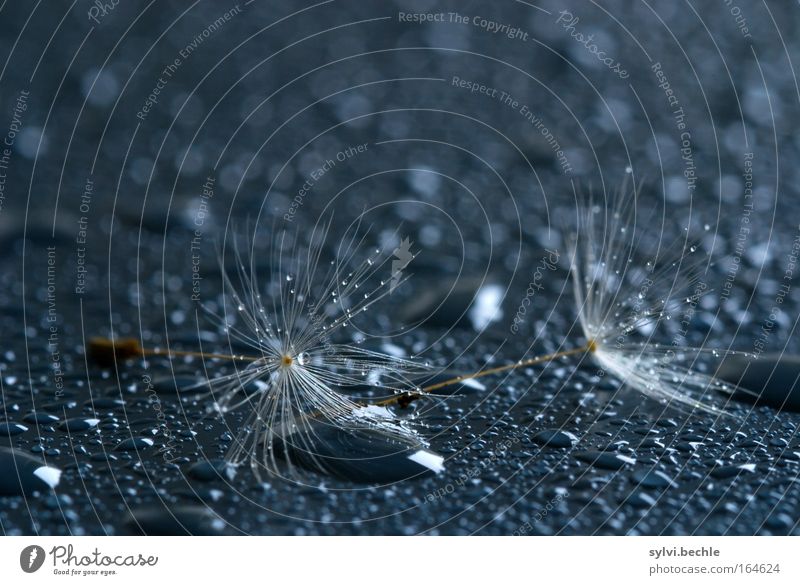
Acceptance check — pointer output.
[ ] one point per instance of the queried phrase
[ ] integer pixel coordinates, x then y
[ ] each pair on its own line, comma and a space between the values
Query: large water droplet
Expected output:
610, 461
76, 425
211, 470
21, 474
160, 520
554, 438
134, 444
768, 380
359, 454
9, 429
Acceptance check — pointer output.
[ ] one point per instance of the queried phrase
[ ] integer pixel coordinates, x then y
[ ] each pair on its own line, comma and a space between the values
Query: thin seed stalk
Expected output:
408, 397
127, 348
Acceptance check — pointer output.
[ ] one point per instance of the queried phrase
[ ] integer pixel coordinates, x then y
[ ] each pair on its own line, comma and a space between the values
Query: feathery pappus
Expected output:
301, 372
620, 300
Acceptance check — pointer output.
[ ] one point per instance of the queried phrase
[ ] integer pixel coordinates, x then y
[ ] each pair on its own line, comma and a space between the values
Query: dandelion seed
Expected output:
618, 302
306, 372
612, 311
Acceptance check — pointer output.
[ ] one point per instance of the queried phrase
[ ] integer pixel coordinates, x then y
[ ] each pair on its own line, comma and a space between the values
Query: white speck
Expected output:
218, 524
424, 181
427, 459
374, 377
375, 411
50, 475
216, 495
393, 349
472, 383
430, 236
486, 306
758, 254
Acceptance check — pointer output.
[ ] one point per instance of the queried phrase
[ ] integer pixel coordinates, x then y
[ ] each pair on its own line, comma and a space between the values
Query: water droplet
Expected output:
22, 474
9, 429
727, 471
134, 444
169, 520
179, 385
652, 478
358, 454
211, 470
76, 425
40, 418
610, 461
554, 438
768, 380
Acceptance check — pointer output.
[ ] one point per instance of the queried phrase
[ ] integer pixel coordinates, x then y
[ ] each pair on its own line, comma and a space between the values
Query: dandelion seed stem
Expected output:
102, 349
408, 397
106, 351
201, 354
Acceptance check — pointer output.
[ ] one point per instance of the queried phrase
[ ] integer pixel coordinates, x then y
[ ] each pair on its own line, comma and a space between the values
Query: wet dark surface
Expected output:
479, 193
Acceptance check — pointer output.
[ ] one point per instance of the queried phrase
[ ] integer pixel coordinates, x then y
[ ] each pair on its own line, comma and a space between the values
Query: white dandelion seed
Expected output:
619, 301
301, 372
